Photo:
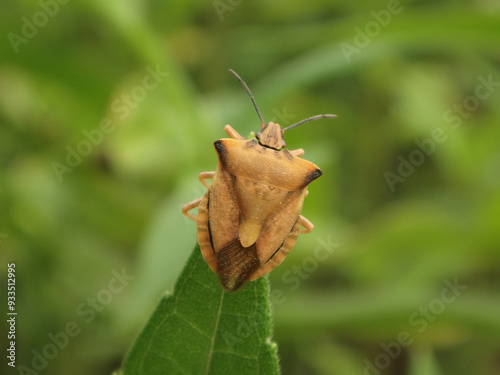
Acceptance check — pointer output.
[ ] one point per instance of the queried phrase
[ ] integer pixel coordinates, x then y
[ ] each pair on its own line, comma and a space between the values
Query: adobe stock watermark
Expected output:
122, 107
372, 29
224, 6
294, 276
293, 279
282, 117
57, 342
247, 327
427, 146
30, 26
420, 319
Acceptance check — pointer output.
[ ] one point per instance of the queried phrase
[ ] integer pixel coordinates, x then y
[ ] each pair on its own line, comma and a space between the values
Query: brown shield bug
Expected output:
249, 219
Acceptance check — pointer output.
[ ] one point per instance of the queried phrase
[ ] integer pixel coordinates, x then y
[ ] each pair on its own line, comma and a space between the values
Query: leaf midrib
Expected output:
209, 360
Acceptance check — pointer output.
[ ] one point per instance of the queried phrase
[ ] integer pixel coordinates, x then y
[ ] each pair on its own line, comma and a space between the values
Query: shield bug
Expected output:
249, 219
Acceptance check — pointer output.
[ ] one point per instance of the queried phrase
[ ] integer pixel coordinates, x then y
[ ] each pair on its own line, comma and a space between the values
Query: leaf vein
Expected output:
209, 361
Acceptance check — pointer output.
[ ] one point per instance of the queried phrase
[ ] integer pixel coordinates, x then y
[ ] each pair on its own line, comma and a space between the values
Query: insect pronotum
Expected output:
249, 219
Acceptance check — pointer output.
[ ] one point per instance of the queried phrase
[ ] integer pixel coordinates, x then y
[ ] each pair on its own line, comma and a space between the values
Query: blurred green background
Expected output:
109, 110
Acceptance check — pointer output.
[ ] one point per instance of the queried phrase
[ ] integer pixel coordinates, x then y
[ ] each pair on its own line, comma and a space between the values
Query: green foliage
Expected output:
201, 329
418, 81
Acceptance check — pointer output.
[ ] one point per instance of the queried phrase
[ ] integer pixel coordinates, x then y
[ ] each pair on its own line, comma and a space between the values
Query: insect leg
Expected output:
297, 152
189, 206
233, 133
308, 226
205, 176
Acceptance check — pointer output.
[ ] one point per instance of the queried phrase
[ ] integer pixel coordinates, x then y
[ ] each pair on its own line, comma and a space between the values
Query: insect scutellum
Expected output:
271, 134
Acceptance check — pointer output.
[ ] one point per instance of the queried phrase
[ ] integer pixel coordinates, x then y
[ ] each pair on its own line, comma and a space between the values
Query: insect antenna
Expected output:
249, 93
317, 117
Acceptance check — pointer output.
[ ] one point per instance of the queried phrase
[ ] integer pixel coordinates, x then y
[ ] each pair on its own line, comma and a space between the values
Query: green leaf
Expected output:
201, 329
